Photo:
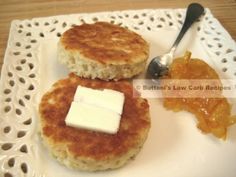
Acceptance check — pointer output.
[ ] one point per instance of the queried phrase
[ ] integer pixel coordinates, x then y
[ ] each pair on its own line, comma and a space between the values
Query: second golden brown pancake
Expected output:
103, 50
91, 150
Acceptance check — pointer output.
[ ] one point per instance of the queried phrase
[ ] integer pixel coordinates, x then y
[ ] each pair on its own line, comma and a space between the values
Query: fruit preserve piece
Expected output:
213, 113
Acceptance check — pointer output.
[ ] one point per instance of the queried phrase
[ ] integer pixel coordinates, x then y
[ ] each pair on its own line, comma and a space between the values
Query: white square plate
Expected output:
175, 147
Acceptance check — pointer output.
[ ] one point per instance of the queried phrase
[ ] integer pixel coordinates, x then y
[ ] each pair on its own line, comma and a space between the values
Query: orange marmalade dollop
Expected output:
213, 114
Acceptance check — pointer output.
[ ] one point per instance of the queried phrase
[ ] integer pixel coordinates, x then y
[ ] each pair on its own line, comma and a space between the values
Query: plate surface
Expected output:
175, 147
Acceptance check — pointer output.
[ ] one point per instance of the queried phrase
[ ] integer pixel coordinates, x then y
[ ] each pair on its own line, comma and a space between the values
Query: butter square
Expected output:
107, 98
82, 115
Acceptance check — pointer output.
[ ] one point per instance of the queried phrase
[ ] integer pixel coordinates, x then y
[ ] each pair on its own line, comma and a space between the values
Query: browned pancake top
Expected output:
55, 104
106, 43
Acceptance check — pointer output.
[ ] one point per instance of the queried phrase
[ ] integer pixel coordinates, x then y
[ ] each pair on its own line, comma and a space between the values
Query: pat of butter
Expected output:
107, 98
98, 110
82, 115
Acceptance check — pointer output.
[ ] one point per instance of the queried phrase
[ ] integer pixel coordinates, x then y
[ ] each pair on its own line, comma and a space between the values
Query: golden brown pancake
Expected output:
103, 50
90, 150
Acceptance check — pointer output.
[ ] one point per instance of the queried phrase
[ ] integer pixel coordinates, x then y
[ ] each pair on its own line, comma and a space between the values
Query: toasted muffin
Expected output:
103, 50
90, 150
